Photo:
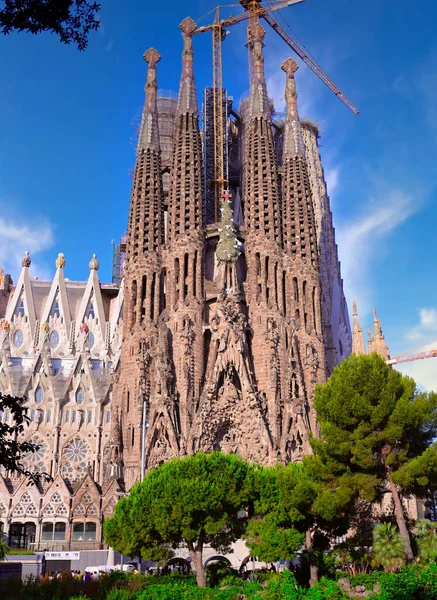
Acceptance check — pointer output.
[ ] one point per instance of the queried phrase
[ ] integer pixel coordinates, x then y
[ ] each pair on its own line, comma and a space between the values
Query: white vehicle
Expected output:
128, 568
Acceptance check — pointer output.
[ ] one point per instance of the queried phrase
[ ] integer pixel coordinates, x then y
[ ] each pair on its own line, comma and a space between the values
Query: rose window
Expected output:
34, 461
76, 463
76, 451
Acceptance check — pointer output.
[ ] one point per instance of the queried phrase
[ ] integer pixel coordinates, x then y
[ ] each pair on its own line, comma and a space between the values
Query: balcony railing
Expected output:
59, 546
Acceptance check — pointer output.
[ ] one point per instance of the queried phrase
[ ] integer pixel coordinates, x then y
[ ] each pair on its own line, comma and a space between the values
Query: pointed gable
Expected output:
91, 306
57, 302
22, 299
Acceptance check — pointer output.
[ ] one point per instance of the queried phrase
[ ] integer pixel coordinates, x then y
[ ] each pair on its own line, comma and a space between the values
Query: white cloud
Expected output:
332, 177
427, 325
17, 235
363, 239
424, 372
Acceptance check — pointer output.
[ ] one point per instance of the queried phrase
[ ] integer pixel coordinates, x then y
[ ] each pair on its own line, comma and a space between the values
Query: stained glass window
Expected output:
80, 396
91, 339
18, 338
39, 395
55, 310
54, 339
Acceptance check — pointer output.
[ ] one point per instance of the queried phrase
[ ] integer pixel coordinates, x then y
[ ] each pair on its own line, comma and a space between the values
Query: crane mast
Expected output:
219, 181
253, 12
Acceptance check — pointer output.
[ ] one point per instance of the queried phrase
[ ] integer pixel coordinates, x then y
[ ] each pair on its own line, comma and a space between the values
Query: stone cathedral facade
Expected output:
218, 333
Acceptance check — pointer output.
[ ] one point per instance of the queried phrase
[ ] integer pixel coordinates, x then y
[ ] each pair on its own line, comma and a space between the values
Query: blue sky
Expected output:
65, 149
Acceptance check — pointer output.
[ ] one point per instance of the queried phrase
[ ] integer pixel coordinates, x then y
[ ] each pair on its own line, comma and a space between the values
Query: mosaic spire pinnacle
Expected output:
293, 138
259, 101
187, 99
149, 134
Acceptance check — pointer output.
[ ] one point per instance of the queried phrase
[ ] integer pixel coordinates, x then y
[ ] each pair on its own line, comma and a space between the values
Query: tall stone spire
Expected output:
293, 138
358, 346
187, 99
302, 276
261, 184
298, 211
186, 188
259, 100
146, 218
144, 283
378, 344
149, 133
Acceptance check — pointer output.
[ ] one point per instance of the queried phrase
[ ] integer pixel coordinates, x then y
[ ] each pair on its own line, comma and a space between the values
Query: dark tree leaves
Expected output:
12, 452
71, 20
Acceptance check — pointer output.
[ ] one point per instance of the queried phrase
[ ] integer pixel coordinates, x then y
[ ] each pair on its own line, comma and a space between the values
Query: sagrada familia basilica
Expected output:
215, 336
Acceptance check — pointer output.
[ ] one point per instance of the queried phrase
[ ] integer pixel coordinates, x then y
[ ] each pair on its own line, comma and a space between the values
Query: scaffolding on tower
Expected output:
118, 258
210, 131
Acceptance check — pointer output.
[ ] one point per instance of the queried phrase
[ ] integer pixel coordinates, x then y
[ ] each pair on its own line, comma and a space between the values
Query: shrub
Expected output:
367, 579
388, 547
325, 589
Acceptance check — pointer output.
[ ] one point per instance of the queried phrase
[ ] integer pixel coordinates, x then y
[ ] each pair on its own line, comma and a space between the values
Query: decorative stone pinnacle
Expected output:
354, 307
149, 133
188, 27
293, 138
258, 32
187, 98
26, 261
290, 67
259, 101
94, 263
60, 261
152, 57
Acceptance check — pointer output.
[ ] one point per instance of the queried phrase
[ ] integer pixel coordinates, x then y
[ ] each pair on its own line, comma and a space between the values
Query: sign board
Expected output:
62, 555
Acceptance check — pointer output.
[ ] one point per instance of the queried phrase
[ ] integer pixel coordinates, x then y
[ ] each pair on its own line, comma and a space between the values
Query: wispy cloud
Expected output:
332, 177
424, 372
18, 234
426, 327
363, 239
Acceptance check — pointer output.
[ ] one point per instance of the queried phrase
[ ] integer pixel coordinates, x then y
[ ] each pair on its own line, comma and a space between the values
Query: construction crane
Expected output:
403, 358
253, 12
409, 356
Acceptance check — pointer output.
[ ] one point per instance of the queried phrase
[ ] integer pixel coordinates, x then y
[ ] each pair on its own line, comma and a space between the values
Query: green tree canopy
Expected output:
196, 500
293, 505
71, 20
377, 433
12, 451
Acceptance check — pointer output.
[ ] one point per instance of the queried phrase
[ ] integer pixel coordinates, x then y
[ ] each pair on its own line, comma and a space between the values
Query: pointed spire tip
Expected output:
152, 56
26, 261
60, 261
188, 26
290, 67
94, 263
